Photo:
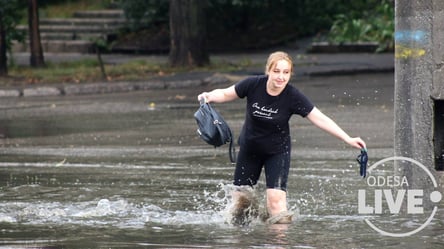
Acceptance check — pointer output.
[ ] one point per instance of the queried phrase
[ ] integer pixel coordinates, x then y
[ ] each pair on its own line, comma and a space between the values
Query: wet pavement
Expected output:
362, 104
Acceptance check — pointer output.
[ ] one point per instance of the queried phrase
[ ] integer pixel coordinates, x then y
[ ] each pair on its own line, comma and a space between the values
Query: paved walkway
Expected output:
306, 64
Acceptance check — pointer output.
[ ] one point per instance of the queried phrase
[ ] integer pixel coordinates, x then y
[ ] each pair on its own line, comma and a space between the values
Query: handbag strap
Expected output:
232, 149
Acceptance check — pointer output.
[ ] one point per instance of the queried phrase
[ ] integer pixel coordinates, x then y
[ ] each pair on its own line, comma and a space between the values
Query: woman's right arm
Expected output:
219, 95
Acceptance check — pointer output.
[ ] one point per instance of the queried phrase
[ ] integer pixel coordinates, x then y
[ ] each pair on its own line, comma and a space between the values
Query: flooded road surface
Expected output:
128, 171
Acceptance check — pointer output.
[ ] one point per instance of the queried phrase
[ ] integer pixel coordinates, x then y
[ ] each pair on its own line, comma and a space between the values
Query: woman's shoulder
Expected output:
299, 99
256, 78
253, 80
293, 89
250, 84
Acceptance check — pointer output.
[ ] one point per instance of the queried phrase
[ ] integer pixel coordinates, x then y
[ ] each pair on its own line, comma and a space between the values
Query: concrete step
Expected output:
105, 22
100, 14
75, 34
48, 46
73, 29
71, 36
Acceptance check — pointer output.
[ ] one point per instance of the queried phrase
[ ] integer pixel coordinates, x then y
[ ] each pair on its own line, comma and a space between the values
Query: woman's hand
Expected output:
356, 142
203, 97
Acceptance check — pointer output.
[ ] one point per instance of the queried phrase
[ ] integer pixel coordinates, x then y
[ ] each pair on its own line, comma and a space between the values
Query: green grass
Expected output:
88, 70
67, 8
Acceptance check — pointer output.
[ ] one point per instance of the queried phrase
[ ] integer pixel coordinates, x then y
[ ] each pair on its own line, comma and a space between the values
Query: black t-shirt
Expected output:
266, 128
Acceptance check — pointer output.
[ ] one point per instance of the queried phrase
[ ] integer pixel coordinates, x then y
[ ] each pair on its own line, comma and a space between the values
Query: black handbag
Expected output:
213, 129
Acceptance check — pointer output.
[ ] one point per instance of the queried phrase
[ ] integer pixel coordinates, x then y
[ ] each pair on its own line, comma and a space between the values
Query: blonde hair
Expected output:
273, 58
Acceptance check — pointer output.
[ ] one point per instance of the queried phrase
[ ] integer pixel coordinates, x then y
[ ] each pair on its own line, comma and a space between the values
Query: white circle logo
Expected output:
394, 200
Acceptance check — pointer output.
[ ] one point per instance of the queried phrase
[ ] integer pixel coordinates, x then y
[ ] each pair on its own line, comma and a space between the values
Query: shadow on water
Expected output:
128, 171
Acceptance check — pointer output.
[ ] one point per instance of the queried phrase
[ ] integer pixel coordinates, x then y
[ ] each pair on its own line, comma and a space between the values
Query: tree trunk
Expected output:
101, 65
188, 33
35, 44
3, 58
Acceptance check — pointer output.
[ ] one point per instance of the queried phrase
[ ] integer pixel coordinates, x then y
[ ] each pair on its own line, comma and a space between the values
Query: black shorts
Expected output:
249, 166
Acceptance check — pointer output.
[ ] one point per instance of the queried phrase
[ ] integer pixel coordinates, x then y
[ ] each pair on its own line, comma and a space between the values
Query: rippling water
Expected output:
115, 174
180, 205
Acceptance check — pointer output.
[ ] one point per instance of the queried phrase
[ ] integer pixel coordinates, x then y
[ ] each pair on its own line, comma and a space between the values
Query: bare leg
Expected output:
244, 208
277, 207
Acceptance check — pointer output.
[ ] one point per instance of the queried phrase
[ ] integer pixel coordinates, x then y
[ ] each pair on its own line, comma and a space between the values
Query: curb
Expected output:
113, 87
351, 71
185, 80
357, 47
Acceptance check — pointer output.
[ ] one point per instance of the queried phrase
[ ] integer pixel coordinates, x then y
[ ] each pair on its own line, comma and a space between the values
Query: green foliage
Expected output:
245, 21
258, 24
297, 17
102, 44
346, 29
377, 25
10, 15
144, 13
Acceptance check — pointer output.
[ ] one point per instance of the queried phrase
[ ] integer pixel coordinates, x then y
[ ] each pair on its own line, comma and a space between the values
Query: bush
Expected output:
245, 24
377, 25
10, 15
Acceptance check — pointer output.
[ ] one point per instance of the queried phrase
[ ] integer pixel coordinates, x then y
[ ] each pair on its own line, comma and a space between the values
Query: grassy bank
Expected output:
67, 8
88, 70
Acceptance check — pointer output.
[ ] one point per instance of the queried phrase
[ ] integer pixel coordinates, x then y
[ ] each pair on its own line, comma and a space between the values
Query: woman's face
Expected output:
279, 75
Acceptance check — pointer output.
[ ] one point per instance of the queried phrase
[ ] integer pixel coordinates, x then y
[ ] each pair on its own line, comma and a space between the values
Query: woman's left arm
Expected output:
327, 124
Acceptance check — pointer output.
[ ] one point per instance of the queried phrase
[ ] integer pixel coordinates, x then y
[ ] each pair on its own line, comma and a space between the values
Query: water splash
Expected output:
221, 200
211, 207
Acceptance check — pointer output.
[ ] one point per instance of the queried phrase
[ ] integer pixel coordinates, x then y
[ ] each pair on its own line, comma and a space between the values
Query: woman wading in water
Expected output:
265, 137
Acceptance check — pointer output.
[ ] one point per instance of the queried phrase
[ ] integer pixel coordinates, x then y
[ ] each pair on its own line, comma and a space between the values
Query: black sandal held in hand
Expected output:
362, 160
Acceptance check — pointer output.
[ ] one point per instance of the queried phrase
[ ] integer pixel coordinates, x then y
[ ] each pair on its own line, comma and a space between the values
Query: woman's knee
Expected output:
276, 200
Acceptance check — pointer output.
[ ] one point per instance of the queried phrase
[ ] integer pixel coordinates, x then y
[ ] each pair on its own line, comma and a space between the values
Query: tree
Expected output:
3, 58
188, 33
10, 15
37, 59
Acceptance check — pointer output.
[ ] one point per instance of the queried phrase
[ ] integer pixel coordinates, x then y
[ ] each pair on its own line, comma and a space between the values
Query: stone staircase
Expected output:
76, 34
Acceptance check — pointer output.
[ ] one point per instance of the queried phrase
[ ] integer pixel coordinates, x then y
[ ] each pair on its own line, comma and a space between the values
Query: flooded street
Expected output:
128, 170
